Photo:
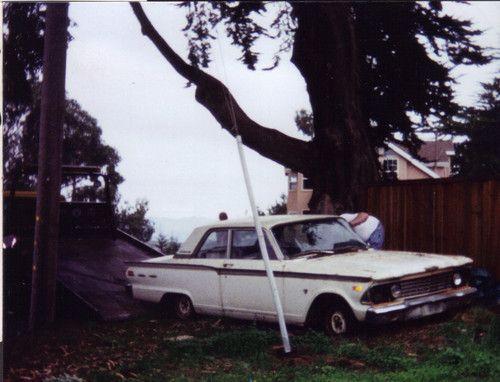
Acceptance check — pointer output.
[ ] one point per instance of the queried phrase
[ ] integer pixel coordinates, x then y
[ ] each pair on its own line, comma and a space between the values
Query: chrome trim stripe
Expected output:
250, 272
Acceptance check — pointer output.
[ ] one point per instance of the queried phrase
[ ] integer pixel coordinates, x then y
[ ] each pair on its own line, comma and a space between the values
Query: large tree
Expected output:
82, 146
371, 69
24, 25
479, 155
132, 219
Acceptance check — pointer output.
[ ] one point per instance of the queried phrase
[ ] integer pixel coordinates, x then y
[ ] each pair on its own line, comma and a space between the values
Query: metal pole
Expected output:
45, 245
263, 249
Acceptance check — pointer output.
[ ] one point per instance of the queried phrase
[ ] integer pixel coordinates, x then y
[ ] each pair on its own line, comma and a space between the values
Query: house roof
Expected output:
415, 162
436, 151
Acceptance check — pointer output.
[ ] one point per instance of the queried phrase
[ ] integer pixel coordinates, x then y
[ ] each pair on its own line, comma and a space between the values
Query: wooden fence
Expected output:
450, 216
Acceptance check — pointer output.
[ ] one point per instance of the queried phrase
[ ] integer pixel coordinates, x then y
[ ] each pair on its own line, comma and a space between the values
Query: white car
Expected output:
324, 274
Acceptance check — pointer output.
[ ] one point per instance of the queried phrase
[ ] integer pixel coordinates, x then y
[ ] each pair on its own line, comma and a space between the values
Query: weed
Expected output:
229, 351
251, 343
313, 342
389, 358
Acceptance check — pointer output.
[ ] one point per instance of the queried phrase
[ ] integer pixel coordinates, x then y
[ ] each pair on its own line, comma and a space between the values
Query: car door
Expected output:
246, 292
202, 271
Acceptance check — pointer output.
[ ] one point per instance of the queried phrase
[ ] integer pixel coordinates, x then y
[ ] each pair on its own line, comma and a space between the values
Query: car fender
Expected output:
349, 295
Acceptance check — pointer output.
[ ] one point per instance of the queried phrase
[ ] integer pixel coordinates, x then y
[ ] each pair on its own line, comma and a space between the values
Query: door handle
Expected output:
227, 265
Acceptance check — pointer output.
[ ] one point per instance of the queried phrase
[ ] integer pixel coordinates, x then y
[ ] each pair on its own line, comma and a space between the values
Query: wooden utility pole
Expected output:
43, 290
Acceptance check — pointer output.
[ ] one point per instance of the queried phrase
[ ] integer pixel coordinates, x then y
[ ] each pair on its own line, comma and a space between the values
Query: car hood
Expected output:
377, 265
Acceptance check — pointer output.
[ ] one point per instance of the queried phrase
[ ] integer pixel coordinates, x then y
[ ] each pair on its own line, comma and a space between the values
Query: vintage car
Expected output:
325, 274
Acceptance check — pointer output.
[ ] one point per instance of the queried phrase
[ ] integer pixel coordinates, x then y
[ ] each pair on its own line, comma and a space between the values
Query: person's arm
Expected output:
359, 219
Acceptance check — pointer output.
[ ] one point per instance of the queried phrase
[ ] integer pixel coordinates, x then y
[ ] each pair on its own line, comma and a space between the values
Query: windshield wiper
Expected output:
317, 252
349, 246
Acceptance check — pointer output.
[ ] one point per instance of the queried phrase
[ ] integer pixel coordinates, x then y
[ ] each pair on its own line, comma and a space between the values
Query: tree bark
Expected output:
339, 160
212, 94
325, 52
43, 293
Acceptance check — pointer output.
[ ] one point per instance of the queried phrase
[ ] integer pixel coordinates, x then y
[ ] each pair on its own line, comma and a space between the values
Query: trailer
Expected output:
92, 250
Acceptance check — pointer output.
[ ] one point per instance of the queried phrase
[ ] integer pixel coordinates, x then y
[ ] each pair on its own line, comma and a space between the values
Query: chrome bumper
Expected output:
421, 306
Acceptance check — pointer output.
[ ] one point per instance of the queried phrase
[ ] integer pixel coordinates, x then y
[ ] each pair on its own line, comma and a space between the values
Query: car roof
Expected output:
267, 222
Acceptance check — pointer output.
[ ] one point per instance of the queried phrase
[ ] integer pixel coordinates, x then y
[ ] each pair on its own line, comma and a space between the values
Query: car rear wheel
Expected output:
183, 307
338, 320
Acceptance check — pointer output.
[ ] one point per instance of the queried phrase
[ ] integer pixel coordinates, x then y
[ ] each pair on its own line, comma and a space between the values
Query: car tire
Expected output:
338, 320
183, 307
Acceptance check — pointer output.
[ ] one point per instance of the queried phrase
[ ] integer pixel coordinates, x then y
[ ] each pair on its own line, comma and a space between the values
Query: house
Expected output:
434, 161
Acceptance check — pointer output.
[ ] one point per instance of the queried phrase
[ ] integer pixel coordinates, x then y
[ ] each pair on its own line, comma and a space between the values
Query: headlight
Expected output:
457, 279
395, 290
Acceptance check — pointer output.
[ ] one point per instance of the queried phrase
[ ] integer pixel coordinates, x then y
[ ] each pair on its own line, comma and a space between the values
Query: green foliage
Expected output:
168, 245
304, 121
132, 220
397, 43
279, 207
389, 358
82, 145
22, 55
241, 28
249, 344
82, 136
23, 34
479, 155
492, 337
314, 342
228, 350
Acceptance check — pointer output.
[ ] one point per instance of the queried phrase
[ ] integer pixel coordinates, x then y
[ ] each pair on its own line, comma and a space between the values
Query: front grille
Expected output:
426, 285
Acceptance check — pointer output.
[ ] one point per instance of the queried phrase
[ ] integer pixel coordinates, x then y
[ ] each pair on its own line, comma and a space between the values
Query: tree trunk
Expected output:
45, 246
340, 160
343, 161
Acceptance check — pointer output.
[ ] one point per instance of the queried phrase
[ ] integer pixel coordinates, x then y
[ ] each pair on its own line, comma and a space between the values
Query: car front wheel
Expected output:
183, 307
338, 321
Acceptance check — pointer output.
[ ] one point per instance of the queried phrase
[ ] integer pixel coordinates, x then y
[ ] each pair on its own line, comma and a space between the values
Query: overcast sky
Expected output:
173, 152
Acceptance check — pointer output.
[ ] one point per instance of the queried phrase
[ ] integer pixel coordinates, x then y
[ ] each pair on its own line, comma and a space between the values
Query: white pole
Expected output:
263, 249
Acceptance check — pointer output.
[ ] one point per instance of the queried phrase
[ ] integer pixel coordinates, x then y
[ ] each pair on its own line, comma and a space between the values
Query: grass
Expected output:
463, 349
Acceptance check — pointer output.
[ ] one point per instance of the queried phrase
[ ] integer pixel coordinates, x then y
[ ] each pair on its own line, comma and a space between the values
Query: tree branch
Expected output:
215, 96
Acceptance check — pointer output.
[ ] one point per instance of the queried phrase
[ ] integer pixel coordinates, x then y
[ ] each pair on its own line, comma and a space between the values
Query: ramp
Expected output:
92, 251
94, 272
91, 260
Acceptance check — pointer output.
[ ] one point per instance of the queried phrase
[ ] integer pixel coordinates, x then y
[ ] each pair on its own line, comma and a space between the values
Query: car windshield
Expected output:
319, 236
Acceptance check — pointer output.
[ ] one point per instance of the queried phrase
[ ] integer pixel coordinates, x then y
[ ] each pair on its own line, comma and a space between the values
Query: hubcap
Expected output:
184, 306
338, 323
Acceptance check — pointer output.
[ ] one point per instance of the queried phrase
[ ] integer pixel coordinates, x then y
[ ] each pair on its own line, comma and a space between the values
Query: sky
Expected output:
174, 153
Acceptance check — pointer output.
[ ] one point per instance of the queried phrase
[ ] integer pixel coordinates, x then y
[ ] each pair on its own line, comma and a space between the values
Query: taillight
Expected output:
130, 272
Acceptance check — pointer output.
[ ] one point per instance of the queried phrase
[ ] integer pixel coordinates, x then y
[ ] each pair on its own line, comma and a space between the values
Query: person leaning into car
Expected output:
368, 227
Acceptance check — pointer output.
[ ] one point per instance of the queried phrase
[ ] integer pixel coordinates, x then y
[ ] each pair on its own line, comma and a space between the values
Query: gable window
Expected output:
306, 184
390, 165
292, 182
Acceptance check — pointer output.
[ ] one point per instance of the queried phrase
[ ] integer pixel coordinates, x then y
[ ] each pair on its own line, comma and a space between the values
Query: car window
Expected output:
214, 246
304, 237
245, 245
